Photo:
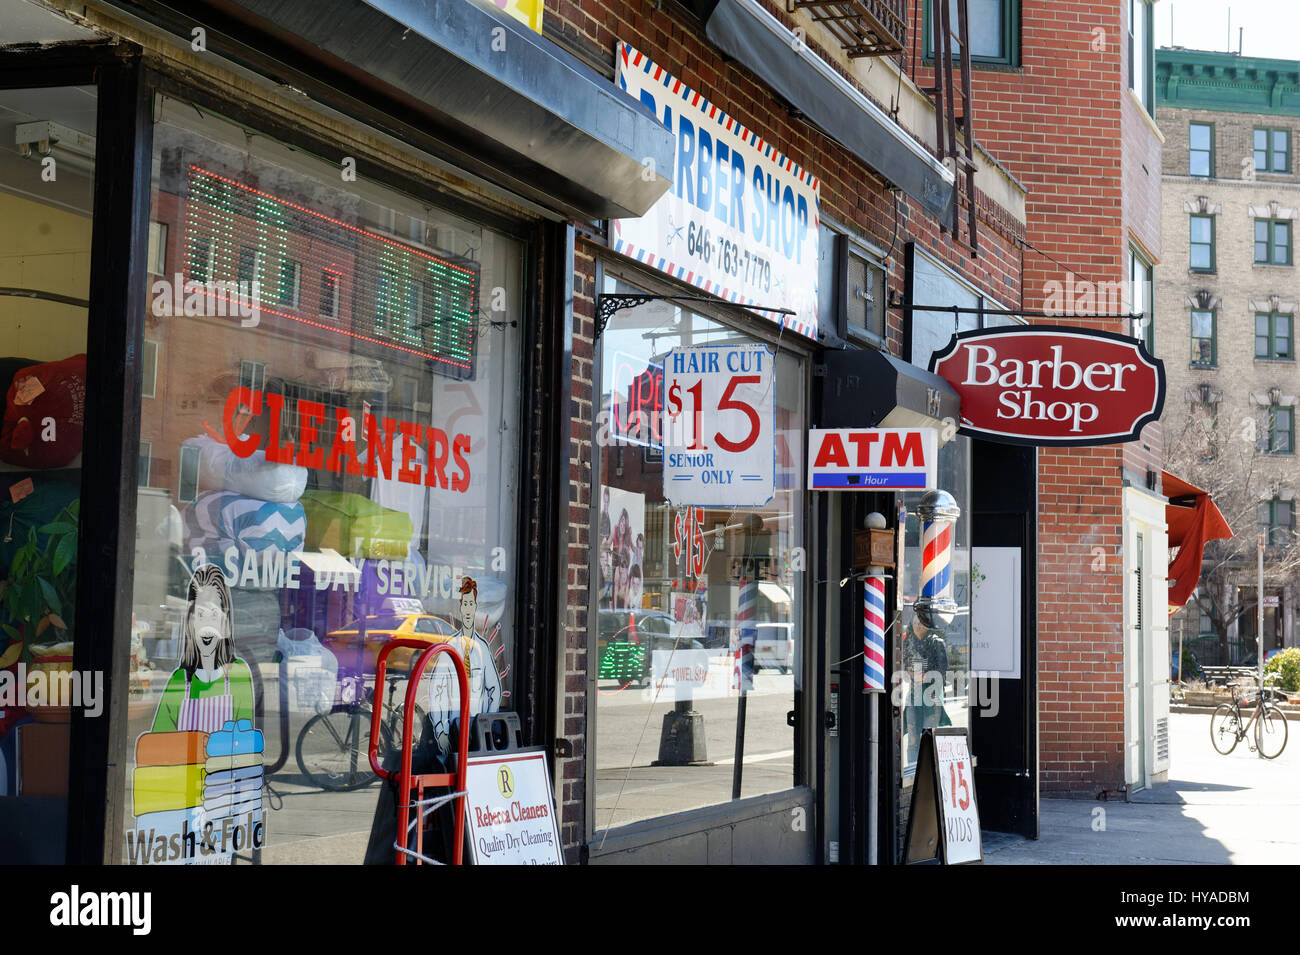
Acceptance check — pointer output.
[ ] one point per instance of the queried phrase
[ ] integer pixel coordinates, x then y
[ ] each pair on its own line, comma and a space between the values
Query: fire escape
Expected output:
879, 28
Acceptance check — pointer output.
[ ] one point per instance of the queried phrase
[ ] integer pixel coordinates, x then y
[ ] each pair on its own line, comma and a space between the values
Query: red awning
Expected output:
1193, 520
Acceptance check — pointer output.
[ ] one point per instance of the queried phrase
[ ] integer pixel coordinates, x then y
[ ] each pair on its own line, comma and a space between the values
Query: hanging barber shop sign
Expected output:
1052, 385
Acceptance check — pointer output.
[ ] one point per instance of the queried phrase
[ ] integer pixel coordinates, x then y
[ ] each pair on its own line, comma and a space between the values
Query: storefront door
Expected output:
47, 177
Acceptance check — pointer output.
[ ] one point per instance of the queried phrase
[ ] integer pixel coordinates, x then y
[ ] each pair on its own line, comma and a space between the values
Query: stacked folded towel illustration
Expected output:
179, 773
232, 784
169, 770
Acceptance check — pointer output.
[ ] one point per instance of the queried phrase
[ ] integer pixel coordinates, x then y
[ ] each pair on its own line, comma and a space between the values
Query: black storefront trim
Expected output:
543, 565
106, 550
736, 31
115, 335
474, 89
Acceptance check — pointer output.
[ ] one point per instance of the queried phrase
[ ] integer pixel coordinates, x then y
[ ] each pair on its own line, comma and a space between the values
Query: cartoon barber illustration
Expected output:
484, 680
210, 685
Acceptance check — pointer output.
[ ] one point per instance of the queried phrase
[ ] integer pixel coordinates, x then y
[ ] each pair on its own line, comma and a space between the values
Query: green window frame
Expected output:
1274, 336
1200, 150
1272, 241
1008, 53
1281, 430
1201, 246
1205, 338
1277, 520
1272, 149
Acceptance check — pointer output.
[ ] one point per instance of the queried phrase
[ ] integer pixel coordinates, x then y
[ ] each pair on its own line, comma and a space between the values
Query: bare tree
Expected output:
1241, 468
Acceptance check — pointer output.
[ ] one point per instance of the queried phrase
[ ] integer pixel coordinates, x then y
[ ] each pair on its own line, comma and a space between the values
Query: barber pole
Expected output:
743, 655
938, 512
873, 649
936, 559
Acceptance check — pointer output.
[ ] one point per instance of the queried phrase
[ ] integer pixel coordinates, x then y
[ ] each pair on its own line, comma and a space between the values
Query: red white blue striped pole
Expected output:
873, 649
743, 676
938, 512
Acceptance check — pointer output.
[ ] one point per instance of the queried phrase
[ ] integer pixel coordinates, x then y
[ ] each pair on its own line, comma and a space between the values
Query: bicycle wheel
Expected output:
1270, 732
332, 749
390, 737
1225, 728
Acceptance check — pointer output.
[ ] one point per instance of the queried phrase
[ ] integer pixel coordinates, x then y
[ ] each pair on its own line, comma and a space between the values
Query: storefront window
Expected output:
932, 284
47, 153
936, 661
668, 695
333, 437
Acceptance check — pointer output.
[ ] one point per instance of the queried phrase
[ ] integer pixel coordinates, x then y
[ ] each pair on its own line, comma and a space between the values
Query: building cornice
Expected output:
1198, 79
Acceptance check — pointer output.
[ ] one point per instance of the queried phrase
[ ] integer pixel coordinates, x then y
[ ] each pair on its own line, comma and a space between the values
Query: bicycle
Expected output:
1227, 727
332, 748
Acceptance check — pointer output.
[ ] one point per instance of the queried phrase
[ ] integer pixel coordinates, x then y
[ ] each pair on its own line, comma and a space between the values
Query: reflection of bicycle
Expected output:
1227, 728
332, 747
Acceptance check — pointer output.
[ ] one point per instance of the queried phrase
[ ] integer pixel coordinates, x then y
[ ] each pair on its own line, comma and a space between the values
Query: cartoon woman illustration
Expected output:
484, 680
211, 685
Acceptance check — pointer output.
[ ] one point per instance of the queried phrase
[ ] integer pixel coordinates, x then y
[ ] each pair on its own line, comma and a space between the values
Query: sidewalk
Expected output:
1236, 809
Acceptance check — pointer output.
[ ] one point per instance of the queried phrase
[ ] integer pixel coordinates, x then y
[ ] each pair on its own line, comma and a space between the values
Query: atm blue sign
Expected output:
873, 459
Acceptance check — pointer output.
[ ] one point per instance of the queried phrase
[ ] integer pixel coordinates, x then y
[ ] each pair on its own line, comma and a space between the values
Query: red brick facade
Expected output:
1067, 126
852, 196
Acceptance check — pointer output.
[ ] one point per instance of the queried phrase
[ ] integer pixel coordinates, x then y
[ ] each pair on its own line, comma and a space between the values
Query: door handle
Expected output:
790, 718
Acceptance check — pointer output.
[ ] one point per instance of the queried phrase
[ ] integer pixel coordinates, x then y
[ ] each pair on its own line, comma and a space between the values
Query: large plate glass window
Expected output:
936, 661
668, 592
47, 157
333, 444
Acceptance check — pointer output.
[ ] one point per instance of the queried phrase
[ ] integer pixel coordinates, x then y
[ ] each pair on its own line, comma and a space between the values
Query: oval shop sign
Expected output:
1052, 385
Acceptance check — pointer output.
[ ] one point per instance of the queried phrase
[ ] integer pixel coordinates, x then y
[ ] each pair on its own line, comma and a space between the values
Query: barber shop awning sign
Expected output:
1052, 385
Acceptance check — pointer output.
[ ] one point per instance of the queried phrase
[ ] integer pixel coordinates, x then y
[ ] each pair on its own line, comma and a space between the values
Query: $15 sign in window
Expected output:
719, 425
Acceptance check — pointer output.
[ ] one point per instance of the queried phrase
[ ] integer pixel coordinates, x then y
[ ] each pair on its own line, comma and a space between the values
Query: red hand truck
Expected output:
407, 785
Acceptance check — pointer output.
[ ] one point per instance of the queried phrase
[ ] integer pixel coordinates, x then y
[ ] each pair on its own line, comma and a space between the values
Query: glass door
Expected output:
47, 158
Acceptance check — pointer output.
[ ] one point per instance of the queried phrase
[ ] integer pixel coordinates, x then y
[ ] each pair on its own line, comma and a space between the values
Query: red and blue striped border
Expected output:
631, 59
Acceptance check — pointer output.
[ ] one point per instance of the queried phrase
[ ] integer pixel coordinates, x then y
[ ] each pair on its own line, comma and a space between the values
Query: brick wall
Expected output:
1065, 126
852, 196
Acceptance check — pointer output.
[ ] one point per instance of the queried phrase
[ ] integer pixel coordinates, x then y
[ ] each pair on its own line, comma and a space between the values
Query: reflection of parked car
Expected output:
626, 641
359, 653
774, 646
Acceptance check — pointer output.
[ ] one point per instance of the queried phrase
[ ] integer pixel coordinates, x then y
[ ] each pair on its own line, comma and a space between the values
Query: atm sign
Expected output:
872, 459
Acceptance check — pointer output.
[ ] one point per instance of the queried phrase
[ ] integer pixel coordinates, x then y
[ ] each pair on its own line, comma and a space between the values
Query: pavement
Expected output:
1215, 810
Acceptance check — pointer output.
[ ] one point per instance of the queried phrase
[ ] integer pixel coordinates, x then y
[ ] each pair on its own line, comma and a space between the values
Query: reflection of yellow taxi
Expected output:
357, 644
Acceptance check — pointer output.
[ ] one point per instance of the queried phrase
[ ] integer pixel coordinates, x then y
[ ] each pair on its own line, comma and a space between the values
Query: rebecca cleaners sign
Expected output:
1052, 385
741, 219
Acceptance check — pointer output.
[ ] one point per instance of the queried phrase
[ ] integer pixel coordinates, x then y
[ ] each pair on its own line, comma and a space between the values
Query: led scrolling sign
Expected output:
333, 275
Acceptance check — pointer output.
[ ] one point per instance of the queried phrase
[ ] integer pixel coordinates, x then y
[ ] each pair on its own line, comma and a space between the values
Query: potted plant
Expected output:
39, 600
